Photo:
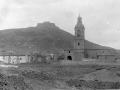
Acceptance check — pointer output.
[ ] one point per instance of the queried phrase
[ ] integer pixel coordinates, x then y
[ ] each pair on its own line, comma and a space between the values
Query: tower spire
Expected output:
79, 22
79, 19
79, 14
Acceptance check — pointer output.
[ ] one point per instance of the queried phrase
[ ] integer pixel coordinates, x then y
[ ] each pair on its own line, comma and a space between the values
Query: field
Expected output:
59, 77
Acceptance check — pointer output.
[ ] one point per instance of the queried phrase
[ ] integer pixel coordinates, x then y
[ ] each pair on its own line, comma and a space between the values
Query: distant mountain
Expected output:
45, 36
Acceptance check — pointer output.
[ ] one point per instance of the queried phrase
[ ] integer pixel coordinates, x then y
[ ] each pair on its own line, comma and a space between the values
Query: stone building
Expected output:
106, 56
37, 58
81, 51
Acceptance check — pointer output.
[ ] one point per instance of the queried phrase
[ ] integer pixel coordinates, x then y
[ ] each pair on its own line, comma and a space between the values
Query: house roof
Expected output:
12, 54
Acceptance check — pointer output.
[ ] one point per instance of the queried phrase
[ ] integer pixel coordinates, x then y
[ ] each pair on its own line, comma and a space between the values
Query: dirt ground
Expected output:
57, 77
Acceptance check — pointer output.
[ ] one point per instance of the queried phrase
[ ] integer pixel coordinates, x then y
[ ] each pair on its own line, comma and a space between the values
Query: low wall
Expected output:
85, 62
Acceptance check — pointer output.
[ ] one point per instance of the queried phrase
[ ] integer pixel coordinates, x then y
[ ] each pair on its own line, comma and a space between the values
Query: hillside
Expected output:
44, 37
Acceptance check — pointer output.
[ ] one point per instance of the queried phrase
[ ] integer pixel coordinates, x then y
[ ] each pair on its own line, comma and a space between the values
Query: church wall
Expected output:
91, 54
79, 44
78, 56
106, 58
106, 55
105, 52
96, 54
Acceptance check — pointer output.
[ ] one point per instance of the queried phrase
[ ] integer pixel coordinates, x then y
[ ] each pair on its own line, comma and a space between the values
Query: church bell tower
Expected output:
79, 40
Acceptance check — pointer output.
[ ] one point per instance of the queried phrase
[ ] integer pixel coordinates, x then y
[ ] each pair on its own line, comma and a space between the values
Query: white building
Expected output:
14, 58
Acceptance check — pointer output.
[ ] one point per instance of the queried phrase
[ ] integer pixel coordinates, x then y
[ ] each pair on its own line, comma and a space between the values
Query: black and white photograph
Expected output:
59, 44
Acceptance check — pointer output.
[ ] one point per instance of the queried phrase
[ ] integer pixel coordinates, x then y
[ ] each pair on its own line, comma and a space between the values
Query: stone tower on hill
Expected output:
79, 40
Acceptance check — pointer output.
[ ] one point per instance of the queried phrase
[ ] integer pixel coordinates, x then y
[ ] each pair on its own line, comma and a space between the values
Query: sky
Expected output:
101, 18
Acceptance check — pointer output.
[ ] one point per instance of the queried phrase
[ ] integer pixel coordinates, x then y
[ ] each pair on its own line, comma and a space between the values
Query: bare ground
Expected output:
57, 77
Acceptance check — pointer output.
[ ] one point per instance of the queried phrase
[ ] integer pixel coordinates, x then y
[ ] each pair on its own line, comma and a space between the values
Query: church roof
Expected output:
92, 46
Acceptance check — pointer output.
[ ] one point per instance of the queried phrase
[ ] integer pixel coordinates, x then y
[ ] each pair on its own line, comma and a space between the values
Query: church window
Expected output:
106, 57
78, 33
78, 44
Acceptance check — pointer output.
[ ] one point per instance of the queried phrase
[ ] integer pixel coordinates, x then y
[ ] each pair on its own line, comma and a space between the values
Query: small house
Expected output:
14, 58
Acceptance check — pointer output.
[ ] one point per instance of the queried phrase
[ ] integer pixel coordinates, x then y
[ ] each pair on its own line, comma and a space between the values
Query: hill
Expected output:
45, 36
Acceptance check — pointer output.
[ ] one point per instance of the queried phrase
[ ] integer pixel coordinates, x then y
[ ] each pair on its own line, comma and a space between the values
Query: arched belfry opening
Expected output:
69, 58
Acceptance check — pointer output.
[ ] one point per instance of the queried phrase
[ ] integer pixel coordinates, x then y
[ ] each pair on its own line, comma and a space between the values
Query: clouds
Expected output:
8, 9
101, 18
103, 22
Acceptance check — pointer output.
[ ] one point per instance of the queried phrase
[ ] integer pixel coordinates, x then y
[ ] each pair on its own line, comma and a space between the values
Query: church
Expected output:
81, 52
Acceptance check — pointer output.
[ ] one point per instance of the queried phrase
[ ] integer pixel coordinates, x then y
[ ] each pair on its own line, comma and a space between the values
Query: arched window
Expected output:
78, 33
